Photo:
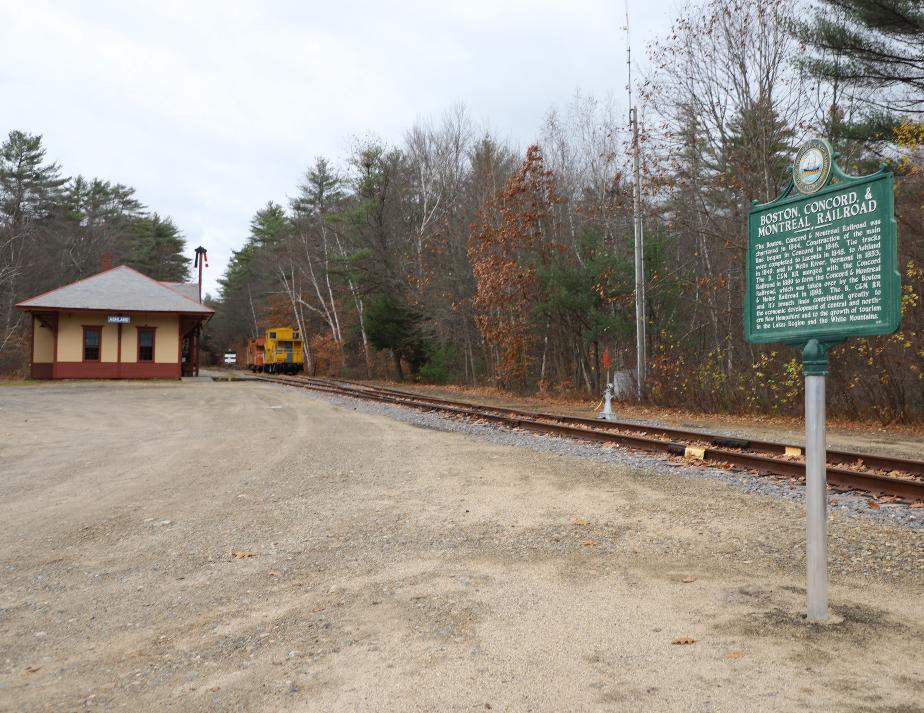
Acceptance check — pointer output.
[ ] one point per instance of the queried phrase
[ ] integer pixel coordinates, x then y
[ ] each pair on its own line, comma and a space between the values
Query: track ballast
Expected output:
879, 475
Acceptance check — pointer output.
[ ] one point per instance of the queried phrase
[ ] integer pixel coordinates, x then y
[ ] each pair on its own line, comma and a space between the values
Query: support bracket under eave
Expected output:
48, 320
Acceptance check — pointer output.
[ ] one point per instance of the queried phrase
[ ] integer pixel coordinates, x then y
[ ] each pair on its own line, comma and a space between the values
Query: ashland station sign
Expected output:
822, 258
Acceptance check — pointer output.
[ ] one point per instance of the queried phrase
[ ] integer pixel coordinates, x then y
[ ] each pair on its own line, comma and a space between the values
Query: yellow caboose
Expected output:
282, 352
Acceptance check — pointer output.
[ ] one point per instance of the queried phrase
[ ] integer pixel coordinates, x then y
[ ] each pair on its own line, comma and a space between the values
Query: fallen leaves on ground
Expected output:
590, 543
676, 415
32, 669
688, 579
581, 521
242, 554
683, 641
735, 655
873, 505
275, 573
917, 504
901, 475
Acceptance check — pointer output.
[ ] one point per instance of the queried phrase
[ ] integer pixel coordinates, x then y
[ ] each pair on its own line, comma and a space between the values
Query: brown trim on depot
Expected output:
114, 370
99, 343
150, 370
42, 370
55, 358
153, 331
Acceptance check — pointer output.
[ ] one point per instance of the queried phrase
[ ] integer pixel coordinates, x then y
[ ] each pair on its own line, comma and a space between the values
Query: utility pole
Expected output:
641, 360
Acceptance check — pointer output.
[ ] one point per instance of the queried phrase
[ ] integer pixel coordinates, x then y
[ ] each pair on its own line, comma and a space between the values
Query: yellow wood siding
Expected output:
43, 343
166, 336
70, 335
130, 342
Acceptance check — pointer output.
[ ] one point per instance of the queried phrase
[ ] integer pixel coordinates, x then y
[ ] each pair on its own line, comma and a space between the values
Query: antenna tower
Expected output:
641, 360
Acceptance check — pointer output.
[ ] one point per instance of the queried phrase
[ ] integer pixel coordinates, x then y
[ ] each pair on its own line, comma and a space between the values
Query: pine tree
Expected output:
92, 217
877, 43
319, 192
156, 249
28, 190
28, 186
269, 225
758, 152
395, 326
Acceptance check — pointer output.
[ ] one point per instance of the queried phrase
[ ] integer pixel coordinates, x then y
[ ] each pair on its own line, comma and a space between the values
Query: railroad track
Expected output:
878, 475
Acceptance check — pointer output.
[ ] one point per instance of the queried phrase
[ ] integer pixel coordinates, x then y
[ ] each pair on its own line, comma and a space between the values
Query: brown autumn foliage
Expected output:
514, 235
519, 267
328, 357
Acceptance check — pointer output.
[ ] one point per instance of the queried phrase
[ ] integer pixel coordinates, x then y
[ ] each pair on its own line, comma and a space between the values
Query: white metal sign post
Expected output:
815, 361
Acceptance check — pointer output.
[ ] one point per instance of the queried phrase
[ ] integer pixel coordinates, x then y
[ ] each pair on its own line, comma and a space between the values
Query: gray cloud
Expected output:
209, 109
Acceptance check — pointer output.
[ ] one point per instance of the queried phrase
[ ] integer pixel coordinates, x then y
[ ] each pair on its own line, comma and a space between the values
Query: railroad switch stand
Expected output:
607, 413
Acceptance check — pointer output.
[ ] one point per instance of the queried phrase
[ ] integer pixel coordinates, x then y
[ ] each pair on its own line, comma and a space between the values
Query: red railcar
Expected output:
256, 353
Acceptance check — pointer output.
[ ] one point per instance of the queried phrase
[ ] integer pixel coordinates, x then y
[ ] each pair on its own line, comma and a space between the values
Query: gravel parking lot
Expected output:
243, 546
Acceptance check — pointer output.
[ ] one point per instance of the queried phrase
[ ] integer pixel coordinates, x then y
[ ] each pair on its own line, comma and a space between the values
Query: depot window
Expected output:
92, 336
145, 344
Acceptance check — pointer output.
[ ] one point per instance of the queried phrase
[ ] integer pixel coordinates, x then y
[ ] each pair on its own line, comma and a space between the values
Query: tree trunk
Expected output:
360, 310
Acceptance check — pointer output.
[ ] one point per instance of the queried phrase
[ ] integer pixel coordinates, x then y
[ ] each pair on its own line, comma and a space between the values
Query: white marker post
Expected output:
815, 365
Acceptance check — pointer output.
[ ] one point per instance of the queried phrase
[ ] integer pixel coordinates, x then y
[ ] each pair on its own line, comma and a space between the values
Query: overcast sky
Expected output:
210, 109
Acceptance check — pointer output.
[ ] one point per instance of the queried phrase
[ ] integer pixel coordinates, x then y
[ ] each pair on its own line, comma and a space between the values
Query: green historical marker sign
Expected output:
822, 258
821, 267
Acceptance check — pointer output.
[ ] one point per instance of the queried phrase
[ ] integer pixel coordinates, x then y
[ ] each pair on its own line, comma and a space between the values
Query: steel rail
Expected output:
734, 452
834, 457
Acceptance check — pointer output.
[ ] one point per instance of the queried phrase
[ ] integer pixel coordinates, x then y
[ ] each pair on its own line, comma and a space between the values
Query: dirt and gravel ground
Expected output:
242, 546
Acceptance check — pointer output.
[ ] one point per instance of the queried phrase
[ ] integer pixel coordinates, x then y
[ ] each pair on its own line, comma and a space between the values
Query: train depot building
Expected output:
116, 324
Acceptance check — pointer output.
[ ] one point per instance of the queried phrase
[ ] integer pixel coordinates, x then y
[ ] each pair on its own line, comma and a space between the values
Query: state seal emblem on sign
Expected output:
813, 166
